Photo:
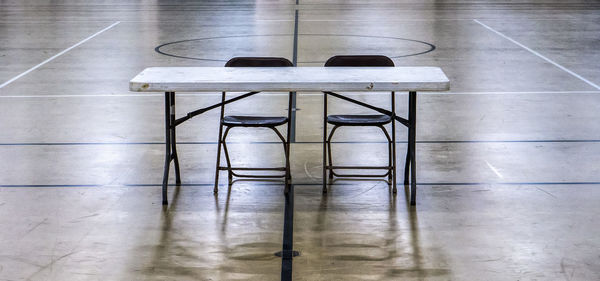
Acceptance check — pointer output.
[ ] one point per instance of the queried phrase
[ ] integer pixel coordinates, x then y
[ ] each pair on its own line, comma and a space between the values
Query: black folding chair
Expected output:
378, 120
269, 122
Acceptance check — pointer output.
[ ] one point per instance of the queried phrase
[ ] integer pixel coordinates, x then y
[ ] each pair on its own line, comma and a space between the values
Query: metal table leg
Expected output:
412, 113
170, 145
394, 189
174, 139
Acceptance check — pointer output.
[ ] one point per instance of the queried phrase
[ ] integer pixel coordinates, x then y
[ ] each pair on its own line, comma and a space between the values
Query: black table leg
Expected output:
170, 145
394, 189
407, 166
412, 118
174, 139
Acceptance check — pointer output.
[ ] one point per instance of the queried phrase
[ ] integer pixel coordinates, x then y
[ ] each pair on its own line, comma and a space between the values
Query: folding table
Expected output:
330, 80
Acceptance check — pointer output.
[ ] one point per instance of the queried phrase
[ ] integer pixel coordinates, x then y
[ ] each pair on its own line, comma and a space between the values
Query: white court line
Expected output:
93, 96
282, 20
494, 169
303, 94
370, 20
57, 55
540, 55
509, 93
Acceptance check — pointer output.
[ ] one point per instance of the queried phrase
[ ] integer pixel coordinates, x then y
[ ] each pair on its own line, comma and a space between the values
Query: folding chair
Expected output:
270, 122
379, 121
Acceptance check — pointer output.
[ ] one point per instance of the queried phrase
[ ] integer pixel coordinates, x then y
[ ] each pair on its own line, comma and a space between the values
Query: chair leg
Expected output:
287, 161
288, 172
216, 188
390, 163
324, 143
220, 141
285, 152
226, 151
329, 153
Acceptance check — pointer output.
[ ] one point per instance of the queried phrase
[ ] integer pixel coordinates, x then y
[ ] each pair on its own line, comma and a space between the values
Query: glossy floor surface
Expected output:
508, 160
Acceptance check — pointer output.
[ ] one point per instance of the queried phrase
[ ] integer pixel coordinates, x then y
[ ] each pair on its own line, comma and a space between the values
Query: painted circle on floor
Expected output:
261, 45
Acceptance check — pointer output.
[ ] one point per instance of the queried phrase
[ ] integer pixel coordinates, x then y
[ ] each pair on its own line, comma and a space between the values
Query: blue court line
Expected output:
298, 142
511, 183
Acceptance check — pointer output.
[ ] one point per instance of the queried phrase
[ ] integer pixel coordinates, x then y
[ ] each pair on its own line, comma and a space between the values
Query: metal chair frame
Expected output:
332, 168
222, 142
327, 154
391, 167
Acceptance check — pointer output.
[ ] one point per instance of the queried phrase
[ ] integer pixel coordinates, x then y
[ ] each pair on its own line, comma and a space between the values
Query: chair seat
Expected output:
254, 121
358, 120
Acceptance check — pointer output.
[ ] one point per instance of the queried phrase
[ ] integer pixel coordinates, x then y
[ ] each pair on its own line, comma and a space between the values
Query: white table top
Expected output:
284, 79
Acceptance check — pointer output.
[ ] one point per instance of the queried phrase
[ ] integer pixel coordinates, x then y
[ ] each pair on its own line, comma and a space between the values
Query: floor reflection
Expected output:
175, 253
212, 237
355, 232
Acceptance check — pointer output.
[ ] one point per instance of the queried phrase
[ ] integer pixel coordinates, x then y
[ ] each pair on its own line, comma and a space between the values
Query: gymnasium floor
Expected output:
508, 160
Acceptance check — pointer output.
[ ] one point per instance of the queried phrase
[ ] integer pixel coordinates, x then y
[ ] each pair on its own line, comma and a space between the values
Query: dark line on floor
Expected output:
295, 46
288, 221
295, 63
298, 142
288, 236
308, 184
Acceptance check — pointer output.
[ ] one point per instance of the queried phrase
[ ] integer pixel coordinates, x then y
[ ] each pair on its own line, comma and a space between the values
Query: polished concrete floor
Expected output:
508, 160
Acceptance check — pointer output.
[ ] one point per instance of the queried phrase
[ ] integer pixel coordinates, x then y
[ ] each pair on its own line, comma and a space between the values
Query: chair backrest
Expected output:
258, 62
359, 60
